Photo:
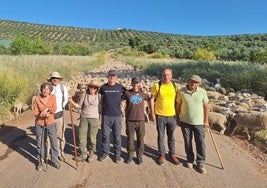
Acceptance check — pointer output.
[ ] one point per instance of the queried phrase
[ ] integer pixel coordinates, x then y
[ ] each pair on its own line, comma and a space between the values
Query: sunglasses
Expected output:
54, 78
92, 87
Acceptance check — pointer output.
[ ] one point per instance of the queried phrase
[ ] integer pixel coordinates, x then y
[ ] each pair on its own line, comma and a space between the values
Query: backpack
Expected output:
173, 84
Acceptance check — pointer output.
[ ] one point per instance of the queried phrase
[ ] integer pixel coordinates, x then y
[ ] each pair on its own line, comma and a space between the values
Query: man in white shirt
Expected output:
61, 93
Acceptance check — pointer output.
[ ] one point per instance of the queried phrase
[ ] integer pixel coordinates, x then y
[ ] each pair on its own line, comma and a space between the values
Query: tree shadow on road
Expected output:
17, 140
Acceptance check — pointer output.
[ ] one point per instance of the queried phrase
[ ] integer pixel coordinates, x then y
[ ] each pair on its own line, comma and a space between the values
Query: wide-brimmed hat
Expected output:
94, 83
55, 75
195, 77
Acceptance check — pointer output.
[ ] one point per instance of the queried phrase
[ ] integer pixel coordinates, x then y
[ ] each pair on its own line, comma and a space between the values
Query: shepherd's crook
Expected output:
219, 156
73, 134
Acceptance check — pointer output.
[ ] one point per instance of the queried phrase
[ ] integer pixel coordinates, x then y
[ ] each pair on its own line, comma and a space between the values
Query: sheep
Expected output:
249, 121
218, 119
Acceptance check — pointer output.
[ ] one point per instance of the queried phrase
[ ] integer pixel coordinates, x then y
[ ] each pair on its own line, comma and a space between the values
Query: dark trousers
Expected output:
169, 123
137, 127
198, 132
110, 123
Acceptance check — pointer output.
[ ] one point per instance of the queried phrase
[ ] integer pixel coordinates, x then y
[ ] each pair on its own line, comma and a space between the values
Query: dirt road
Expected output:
17, 163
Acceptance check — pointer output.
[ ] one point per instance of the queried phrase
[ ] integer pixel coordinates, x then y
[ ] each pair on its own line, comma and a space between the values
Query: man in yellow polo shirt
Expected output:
163, 95
192, 115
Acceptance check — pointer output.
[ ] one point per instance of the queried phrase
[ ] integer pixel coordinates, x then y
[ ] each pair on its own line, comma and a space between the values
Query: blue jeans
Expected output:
188, 131
42, 143
110, 123
170, 123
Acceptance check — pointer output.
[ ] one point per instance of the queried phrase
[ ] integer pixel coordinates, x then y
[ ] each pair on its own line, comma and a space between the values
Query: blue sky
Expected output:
191, 17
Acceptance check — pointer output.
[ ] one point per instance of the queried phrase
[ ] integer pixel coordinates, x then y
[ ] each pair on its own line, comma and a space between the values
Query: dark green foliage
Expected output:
260, 57
21, 44
232, 75
243, 47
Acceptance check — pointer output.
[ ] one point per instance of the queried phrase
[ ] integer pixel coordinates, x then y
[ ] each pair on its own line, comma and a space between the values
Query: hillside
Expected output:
232, 47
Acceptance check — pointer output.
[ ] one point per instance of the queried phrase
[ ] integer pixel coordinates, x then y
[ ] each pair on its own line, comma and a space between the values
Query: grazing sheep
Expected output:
218, 119
249, 121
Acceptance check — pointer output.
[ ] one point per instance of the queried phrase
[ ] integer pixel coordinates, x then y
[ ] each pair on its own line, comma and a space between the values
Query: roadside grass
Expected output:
21, 76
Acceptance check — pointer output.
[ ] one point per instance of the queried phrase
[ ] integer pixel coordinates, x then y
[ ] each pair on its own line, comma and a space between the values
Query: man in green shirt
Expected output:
192, 114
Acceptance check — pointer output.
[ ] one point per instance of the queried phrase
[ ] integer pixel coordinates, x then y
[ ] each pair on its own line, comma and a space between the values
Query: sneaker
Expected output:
82, 157
222, 131
189, 165
56, 164
61, 158
129, 160
175, 160
161, 159
117, 159
103, 157
90, 159
202, 169
139, 160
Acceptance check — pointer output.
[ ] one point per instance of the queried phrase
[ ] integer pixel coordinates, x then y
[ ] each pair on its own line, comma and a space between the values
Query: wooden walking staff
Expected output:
46, 144
73, 134
219, 156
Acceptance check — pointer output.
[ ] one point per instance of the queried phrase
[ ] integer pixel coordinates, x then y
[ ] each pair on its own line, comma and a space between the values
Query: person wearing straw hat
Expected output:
192, 114
61, 93
90, 105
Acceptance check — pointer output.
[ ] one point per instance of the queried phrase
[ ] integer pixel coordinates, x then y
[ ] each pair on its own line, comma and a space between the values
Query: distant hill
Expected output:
232, 47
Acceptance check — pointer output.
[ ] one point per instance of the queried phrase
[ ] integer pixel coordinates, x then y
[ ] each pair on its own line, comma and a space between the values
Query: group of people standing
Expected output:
170, 106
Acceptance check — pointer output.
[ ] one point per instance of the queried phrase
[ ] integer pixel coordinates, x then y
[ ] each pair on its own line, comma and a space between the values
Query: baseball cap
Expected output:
112, 73
135, 80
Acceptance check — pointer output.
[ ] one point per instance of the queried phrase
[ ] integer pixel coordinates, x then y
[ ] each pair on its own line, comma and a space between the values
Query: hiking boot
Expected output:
139, 160
175, 160
189, 165
117, 159
103, 157
39, 166
56, 164
129, 160
161, 159
201, 169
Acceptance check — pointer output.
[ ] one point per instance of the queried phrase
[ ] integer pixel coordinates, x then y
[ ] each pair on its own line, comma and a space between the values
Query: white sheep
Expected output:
218, 119
249, 121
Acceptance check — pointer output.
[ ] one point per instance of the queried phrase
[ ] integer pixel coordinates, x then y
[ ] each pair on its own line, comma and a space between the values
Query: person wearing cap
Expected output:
135, 120
192, 114
61, 93
89, 120
111, 93
162, 102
